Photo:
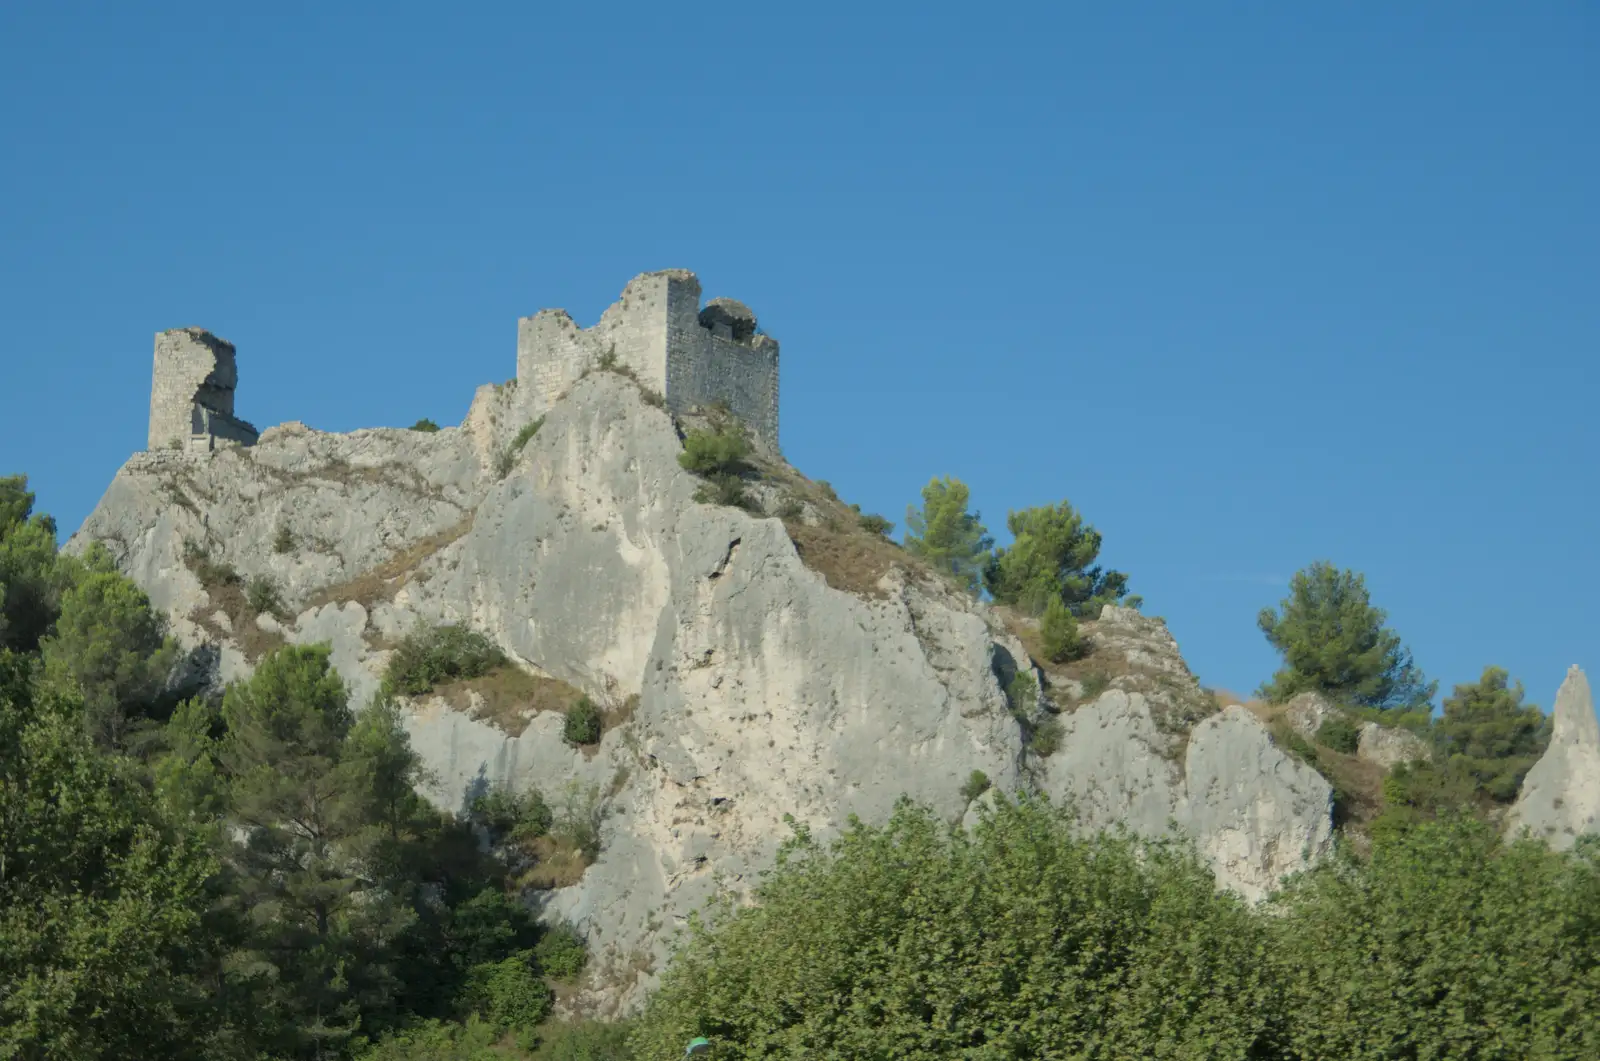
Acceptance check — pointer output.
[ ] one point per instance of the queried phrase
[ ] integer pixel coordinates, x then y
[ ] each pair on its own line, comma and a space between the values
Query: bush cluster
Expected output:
431, 656
583, 723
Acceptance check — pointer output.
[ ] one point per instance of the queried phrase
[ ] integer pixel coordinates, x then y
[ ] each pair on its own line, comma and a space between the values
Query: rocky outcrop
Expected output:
1385, 746
1256, 813
1252, 811
1307, 712
755, 690
1560, 797
1388, 747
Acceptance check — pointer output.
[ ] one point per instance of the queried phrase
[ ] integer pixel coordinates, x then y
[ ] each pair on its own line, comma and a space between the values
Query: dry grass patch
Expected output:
558, 863
510, 697
381, 583
846, 554
1357, 784
847, 559
226, 593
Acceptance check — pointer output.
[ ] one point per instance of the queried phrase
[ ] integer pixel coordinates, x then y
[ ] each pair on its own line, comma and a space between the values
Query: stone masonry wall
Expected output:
192, 386
655, 330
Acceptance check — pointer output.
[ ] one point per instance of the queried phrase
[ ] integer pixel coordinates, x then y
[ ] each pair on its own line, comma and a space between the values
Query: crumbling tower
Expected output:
191, 393
692, 357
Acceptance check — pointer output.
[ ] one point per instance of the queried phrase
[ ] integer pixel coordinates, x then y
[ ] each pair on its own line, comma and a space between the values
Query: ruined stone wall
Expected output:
192, 384
656, 330
709, 362
553, 353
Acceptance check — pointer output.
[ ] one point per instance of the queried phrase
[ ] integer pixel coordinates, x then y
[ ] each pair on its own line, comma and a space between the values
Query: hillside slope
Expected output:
742, 684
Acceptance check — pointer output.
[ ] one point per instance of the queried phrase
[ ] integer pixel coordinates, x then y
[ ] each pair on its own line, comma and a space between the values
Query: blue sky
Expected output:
1250, 284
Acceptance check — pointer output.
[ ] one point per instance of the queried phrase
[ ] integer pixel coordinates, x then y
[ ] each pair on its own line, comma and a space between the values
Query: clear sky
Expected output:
1250, 284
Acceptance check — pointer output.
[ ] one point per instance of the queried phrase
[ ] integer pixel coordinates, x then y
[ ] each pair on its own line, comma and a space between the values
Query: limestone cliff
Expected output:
1560, 797
752, 667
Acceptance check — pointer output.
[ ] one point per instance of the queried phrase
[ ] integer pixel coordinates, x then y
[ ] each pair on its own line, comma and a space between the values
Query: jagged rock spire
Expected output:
1560, 798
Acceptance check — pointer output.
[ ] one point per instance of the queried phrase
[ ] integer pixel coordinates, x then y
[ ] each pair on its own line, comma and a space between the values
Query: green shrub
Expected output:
723, 489
1022, 697
873, 523
425, 425
719, 452
561, 953
1058, 630
436, 1040
511, 815
431, 656
585, 1041
211, 572
583, 723
790, 509
976, 785
1340, 734
283, 541
519, 442
509, 993
262, 594
1095, 683
1045, 738
578, 823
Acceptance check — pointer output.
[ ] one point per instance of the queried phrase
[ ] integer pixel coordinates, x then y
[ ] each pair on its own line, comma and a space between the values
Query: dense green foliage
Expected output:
1052, 557
918, 941
1059, 633
1333, 640
720, 451
432, 655
1020, 941
425, 425
251, 878
1339, 733
942, 532
720, 455
1484, 743
583, 723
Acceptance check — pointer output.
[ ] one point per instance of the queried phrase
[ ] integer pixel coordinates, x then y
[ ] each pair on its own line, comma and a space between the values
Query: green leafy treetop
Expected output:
1487, 733
1052, 557
946, 535
1333, 641
108, 650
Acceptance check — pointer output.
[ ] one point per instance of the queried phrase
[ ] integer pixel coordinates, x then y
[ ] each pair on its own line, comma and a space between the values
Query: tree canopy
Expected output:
1052, 557
255, 879
942, 532
1333, 640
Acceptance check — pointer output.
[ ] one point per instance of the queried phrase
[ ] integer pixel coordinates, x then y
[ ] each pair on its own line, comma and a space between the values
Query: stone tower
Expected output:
689, 355
191, 393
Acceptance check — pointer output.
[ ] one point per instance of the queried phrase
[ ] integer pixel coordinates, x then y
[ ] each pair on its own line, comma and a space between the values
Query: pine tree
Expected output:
1051, 557
946, 535
1334, 641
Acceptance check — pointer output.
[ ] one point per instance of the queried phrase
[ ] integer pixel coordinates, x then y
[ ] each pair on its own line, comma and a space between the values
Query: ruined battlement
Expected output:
692, 356
191, 393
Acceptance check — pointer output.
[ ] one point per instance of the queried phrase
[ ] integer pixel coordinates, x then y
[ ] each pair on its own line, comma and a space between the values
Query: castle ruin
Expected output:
692, 357
191, 393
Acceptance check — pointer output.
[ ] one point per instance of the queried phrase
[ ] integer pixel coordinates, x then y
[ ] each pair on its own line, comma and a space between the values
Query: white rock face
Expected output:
761, 691
1255, 812
1388, 747
1560, 797
1308, 711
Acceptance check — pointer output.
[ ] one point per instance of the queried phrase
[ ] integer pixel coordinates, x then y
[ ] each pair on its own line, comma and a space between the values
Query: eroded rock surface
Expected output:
756, 690
1560, 797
